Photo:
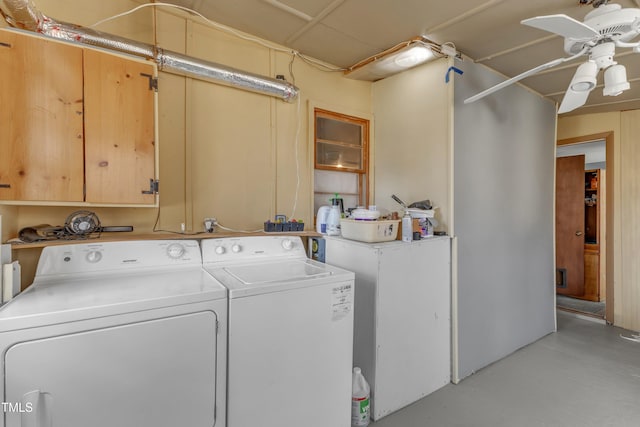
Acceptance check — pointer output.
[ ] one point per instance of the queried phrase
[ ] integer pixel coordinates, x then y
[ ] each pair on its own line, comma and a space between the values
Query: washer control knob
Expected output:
287, 244
94, 256
236, 248
175, 250
220, 250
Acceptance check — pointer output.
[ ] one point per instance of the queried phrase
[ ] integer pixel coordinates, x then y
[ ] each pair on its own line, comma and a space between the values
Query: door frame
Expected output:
609, 222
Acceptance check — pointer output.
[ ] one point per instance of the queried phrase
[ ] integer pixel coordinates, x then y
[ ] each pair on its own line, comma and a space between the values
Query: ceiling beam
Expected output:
597, 86
289, 9
467, 14
603, 104
316, 20
513, 49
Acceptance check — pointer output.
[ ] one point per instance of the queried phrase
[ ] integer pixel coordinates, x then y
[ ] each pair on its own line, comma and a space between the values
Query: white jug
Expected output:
321, 219
360, 409
333, 221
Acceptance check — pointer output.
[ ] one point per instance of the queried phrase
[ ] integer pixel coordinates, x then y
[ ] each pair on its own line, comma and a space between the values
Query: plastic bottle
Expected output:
321, 219
360, 409
407, 228
333, 221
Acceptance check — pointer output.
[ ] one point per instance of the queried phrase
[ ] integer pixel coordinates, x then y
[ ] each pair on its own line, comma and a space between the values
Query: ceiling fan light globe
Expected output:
615, 80
583, 86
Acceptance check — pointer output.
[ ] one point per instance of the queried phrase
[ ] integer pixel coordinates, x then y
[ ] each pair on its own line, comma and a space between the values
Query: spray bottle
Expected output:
333, 218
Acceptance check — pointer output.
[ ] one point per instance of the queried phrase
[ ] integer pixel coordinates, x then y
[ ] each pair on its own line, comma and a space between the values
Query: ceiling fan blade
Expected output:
562, 25
573, 100
584, 80
515, 79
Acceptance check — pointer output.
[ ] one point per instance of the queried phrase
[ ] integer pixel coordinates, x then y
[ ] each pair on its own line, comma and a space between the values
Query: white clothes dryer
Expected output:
127, 334
290, 333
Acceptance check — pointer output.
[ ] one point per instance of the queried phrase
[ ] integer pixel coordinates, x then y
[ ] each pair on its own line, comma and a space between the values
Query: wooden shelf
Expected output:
123, 237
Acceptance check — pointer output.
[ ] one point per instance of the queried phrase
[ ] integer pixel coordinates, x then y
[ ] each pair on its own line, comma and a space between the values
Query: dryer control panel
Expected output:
117, 256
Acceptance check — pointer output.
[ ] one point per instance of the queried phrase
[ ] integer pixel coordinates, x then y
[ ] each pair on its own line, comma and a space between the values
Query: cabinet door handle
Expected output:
578, 233
5, 185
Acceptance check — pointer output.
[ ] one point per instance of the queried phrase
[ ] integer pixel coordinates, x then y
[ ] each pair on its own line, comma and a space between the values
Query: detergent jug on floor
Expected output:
360, 410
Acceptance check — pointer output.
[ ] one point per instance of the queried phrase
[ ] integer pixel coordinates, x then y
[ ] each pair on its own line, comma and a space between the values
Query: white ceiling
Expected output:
343, 32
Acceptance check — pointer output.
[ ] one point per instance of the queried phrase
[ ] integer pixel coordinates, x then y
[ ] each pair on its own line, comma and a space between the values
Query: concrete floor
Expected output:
584, 375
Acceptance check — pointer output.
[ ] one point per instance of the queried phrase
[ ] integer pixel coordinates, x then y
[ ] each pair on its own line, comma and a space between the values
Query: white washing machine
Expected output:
116, 334
290, 333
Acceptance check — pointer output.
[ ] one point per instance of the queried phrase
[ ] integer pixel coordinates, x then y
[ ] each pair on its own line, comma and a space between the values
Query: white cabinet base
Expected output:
402, 331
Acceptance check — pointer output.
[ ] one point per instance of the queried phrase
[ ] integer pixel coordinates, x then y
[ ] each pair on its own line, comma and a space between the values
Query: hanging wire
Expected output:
313, 62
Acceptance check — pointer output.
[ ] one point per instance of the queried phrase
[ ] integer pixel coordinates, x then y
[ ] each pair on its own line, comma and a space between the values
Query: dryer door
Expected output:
158, 373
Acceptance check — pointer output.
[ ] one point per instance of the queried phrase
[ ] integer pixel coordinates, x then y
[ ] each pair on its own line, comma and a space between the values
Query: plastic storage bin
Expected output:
369, 231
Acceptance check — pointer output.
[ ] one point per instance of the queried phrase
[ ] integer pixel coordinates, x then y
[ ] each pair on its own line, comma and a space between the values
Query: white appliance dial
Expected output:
287, 244
175, 250
236, 248
220, 250
94, 256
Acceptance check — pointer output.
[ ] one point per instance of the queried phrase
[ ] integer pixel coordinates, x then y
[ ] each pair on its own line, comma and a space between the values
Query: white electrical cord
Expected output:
634, 338
237, 231
297, 154
294, 54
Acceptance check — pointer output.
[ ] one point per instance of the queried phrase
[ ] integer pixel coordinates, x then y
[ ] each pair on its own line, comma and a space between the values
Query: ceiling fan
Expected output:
606, 27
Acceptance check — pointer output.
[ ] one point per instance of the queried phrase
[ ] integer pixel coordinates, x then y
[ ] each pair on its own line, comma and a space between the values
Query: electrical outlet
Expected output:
210, 224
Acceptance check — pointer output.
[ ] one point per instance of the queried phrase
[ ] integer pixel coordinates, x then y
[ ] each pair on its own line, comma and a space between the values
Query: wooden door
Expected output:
119, 129
41, 113
570, 225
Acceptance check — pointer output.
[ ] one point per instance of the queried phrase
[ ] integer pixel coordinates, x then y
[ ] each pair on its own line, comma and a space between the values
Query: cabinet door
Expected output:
41, 134
119, 129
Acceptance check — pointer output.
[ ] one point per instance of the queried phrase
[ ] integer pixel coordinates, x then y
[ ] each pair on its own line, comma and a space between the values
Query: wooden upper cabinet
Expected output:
119, 129
41, 119
341, 142
77, 125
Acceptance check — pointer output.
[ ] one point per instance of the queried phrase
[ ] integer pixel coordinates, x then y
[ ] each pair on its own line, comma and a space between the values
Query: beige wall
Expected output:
626, 203
413, 138
224, 152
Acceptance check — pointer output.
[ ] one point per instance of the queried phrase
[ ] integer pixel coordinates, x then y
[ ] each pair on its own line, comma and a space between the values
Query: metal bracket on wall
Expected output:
154, 187
153, 81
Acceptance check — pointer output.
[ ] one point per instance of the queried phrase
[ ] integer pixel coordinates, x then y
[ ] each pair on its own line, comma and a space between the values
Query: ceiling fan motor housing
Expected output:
602, 55
612, 22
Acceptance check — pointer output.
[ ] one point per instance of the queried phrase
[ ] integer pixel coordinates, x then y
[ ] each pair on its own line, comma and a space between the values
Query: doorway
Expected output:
584, 220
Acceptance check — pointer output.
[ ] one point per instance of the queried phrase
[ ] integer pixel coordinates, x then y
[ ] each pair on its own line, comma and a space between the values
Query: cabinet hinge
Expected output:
153, 81
154, 187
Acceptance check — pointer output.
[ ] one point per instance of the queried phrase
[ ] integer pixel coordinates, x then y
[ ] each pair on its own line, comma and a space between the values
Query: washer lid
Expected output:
255, 278
253, 274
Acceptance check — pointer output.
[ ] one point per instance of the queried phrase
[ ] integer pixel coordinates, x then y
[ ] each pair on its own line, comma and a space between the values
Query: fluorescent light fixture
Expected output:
413, 56
615, 80
394, 60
